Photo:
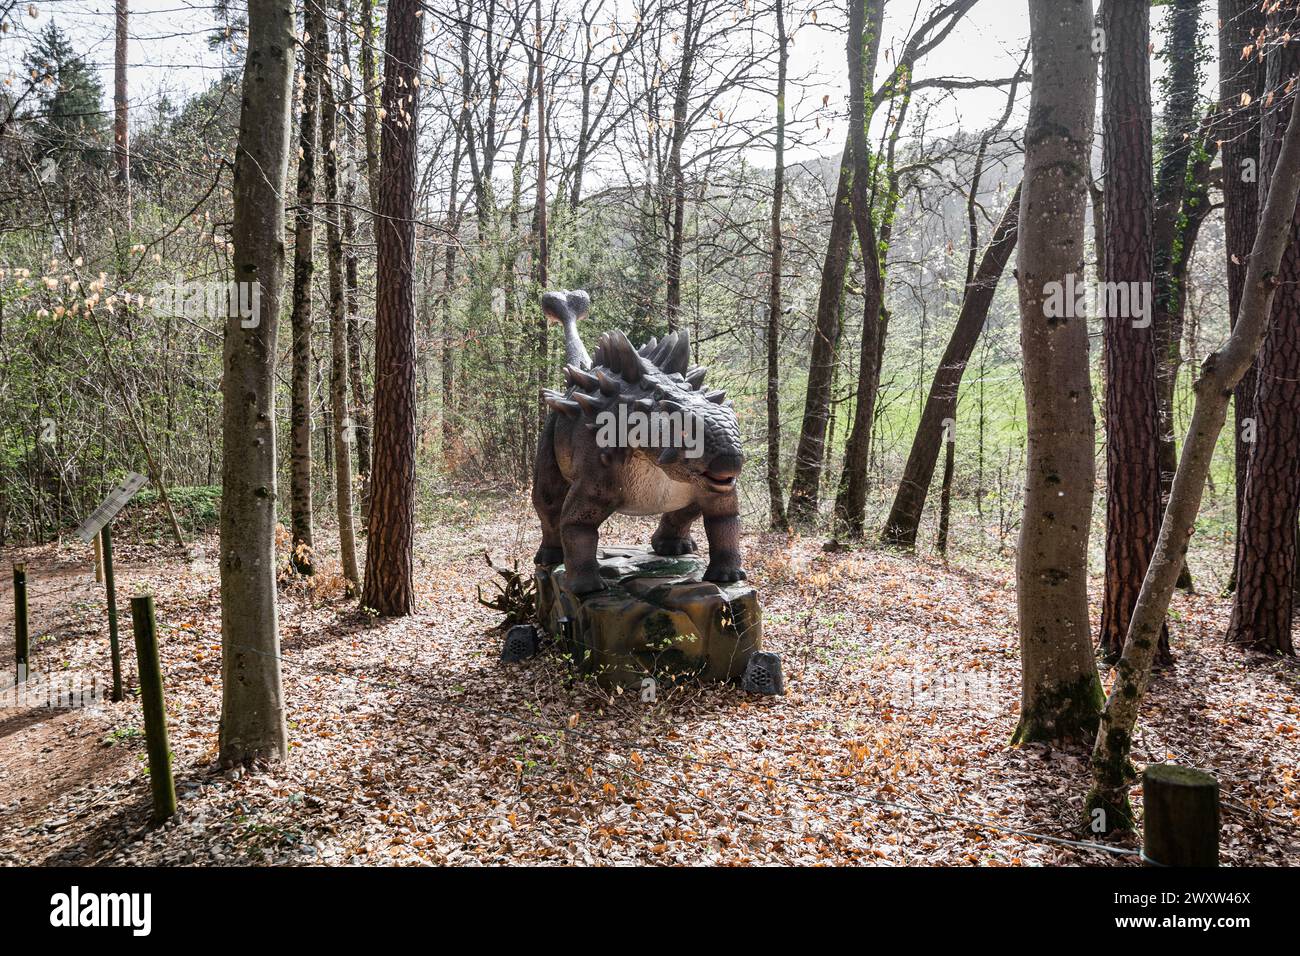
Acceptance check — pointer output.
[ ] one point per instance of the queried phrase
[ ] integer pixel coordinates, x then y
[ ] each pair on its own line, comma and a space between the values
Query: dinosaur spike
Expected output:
605, 383
644, 405
558, 402
667, 405
678, 357
716, 397
649, 347
695, 377
590, 403
576, 376
662, 349
629, 363
602, 356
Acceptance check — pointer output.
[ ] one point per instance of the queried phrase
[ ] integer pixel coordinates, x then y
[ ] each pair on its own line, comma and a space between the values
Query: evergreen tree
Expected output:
70, 118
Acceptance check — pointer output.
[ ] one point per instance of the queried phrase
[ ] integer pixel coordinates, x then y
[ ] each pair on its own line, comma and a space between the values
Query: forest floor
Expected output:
411, 743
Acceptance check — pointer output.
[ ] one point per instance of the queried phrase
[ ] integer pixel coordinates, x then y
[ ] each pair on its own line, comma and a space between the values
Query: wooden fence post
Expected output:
110, 589
1180, 819
155, 715
21, 649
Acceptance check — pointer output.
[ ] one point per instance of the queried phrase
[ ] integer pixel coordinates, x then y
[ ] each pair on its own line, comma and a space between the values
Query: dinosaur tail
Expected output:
568, 308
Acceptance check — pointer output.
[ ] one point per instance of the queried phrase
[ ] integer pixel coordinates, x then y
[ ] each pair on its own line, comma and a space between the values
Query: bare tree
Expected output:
343, 430
1266, 547
300, 430
252, 700
1133, 501
121, 131
389, 585
1060, 692
1241, 91
775, 491
941, 402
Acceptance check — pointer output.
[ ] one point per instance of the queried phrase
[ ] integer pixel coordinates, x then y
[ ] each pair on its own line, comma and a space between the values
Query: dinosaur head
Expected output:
652, 402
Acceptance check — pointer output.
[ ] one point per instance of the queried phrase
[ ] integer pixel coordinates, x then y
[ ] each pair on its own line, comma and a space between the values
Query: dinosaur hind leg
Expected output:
673, 536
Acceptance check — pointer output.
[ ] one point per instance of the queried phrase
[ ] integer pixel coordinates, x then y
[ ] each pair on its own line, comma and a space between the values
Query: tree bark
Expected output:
1111, 769
1178, 124
677, 223
252, 701
1266, 546
1060, 691
300, 553
1241, 90
1133, 499
865, 18
810, 453
775, 491
370, 102
121, 131
542, 329
389, 585
356, 378
344, 429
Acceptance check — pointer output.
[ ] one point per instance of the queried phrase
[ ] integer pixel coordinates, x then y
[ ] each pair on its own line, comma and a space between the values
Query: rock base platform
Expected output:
656, 618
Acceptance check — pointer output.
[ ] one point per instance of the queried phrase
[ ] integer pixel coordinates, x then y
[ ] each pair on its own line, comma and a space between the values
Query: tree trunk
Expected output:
121, 132
389, 587
1241, 89
540, 227
370, 102
252, 702
1266, 547
1178, 124
941, 403
945, 493
1060, 692
356, 379
447, 371
1133, 500
810, 453
300, 553
775, 492
677, 222
1112, 771
343, 429
865, 17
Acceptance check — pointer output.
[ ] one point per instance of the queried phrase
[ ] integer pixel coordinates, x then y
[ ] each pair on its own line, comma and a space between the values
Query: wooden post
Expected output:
99, 562
20, 622
110, 589
155, 716
1180, 825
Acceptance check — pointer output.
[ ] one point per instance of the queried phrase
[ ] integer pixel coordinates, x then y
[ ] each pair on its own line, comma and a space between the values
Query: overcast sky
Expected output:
169, 53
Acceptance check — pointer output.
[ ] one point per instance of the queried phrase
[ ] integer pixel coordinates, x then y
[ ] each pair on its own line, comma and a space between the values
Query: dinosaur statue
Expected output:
582, 476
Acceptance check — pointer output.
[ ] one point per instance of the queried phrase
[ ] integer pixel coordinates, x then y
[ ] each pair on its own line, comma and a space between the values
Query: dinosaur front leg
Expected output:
673, 536
579, 523
723, 532
549, 491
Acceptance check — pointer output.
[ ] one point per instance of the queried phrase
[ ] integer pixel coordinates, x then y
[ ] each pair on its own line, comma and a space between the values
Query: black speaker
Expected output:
520, 644
763, 674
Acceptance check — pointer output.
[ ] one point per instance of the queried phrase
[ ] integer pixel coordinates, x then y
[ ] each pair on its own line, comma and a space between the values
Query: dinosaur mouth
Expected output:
720, 482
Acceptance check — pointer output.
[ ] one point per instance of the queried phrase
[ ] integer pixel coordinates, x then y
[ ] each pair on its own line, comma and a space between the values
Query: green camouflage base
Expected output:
655, 619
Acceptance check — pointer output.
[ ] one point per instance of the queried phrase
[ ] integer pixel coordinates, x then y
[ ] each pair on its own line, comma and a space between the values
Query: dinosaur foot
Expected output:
548, 556
671, 547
